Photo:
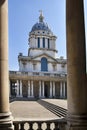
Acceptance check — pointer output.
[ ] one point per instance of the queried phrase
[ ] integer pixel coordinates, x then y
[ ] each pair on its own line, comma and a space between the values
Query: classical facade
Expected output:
76, 118
41, 74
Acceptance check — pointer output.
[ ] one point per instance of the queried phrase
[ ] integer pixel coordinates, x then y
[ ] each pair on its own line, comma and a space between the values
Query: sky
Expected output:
23, 14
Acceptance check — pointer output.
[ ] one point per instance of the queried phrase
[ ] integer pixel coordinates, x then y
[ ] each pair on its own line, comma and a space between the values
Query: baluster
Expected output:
39, 126
22, 126
16, 126
56, 126
31, 126
48, 126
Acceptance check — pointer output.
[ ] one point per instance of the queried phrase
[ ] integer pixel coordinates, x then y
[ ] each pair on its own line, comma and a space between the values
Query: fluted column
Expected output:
76, 66
5, 115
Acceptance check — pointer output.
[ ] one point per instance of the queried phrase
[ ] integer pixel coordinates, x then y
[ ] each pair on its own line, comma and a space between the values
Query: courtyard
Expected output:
27, 110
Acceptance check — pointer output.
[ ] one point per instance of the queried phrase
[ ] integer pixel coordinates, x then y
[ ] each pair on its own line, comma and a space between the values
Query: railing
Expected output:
40, 125
59, 74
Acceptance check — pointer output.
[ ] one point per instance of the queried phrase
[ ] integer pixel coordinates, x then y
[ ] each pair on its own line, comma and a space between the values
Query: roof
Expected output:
41, 25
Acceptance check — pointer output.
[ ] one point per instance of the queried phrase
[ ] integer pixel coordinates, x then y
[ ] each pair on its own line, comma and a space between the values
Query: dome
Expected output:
41, 25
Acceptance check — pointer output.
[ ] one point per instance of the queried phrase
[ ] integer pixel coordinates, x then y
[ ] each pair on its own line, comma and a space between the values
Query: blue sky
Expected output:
23, 14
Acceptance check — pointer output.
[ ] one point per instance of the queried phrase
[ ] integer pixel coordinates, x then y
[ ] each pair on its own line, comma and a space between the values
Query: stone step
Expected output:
57, 110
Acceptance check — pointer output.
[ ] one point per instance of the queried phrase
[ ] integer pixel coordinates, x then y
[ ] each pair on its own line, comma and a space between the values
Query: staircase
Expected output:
57, 110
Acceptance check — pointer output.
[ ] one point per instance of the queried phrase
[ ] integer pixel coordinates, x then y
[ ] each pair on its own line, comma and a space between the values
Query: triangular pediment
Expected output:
49, 58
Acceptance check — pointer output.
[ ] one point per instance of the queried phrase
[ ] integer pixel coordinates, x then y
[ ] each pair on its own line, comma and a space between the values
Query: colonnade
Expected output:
76, 64
41, 86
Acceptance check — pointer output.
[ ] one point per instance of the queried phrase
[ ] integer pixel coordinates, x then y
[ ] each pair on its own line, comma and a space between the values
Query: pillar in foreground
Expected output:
76, 66
5, 115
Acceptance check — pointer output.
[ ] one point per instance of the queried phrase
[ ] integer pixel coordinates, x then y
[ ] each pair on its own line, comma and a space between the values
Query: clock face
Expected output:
2, 1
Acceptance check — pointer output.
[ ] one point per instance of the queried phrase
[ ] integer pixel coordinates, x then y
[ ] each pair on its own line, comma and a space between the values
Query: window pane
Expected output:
38, 42
44, 65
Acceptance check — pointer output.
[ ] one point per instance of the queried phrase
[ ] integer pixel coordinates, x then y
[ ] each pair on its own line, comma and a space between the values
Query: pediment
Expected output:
49, 58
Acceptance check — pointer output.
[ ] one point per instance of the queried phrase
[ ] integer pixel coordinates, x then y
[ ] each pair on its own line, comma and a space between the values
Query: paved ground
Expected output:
33, 110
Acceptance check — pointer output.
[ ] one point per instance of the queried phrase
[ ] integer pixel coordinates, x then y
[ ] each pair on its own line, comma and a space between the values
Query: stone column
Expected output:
21, 88
76, 66
17, 88
32, 90
42, 88
28, 89
61, 89
5, 115
50, 89
53, 89
39, 88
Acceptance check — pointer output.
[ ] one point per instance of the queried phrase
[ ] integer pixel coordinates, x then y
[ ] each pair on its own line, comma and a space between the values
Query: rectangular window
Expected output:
43, 42
38, 42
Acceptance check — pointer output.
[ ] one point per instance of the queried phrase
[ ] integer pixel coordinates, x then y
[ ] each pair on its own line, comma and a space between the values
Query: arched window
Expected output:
44, 65
43, 42
38, 42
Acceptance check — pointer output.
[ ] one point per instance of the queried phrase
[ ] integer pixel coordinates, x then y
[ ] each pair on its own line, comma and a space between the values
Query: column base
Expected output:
41, 97
6, 121
50, 96
30, 97
18, 96
76, 122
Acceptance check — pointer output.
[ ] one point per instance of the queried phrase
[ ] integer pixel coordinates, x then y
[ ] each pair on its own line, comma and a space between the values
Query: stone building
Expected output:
76, 118
41, 74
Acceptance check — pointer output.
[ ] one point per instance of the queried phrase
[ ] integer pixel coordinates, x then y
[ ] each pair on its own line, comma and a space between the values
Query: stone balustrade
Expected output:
58, 74
39, 125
